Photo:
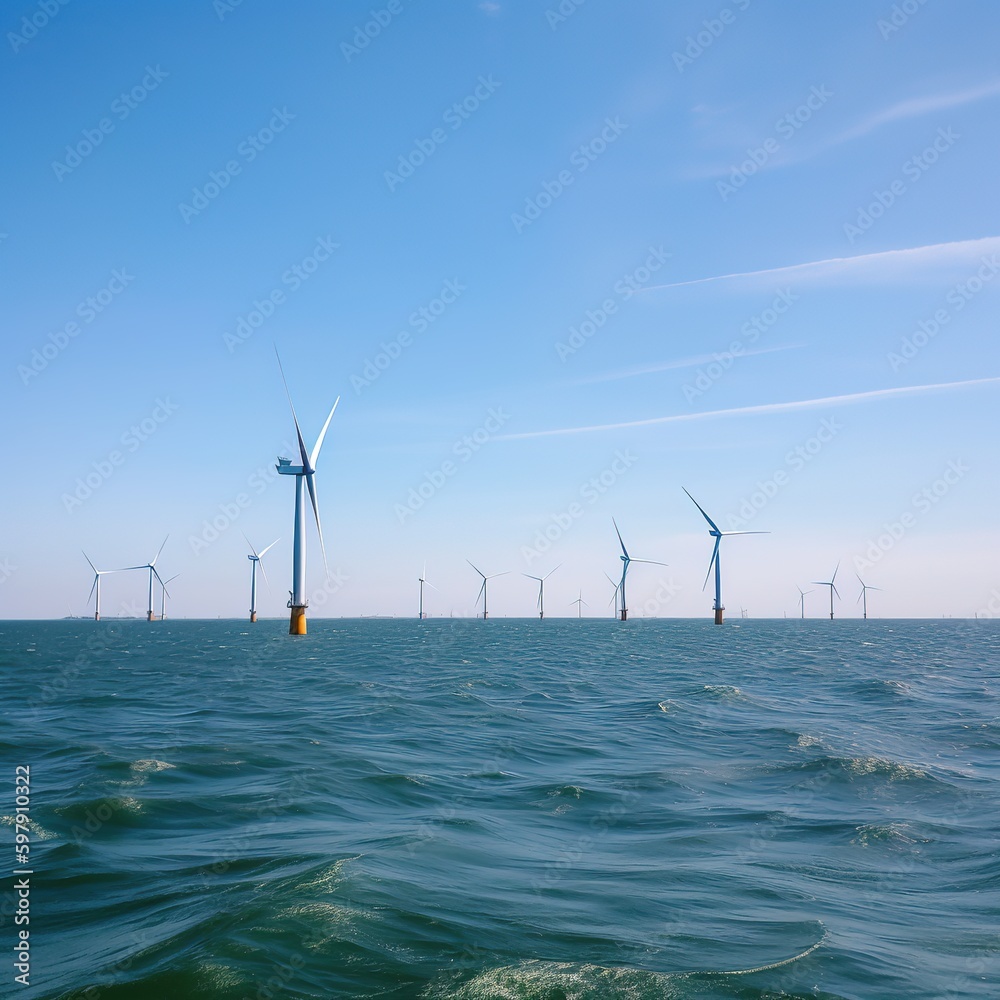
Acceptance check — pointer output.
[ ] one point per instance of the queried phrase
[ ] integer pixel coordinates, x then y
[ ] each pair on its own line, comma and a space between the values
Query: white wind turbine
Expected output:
164, 594
95, 587
151, 566
627, 560
863, 596
833, 587
541, 589
257, 560
802, 600
423, 582
482, 589
614, 599
304, 480
581, 603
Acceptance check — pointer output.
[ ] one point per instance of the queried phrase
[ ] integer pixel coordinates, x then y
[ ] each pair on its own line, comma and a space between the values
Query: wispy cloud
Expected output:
886, 265
799, 404
666, 366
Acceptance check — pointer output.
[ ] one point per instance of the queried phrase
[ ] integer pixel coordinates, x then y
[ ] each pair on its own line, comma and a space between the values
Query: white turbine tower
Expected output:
482, 589
627, 560
541, 589
802, 600
863, 596
832, 585
304, 474
151, 566
718, 534
257, 560
164, 594
95, 587
581, 603
423, 581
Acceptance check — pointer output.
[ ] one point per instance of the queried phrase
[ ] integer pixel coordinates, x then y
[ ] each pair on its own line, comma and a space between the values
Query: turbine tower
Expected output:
863, 596
627, 560
423, 581
304, 474
717, 533
257, 560
541, 589
581, 603
802, 600
151, 566
833, 588
482, 589
164, 594
96, 585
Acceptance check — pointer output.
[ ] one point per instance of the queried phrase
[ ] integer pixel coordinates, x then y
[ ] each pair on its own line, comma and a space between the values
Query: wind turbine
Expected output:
164, 595
423, 581
541, 589
255, 560
304, 479
717, 533
614, 598
832, 585
96, 585
581, 603
863, 596
626, 561
151, 566
482, 589
802, 600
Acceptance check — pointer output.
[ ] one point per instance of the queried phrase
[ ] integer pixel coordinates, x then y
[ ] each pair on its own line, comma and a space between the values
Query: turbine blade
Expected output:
551, 571
651, 562
93, 586
834, 577
476, 568
158, 551
125, 569
252, 549
303, 454
715, 527
837, 592
481, 590
160, 578
746, 532
711, 562
322, 434
530, 577
260, 563
271, 546
319, 527
620, 542
506, 572
92, 566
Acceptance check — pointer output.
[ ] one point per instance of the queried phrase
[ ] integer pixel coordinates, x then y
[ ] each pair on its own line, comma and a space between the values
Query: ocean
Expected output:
546, 810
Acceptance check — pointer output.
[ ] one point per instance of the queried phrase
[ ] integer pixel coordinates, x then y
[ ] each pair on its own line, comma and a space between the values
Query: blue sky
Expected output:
557, 260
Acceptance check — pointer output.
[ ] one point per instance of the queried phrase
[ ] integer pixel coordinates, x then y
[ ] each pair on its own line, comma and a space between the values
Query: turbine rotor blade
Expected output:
252, 549
303, 454
260, 563
715, 527
650, 562
271, 546
93, 586
319, 527
711, 562
620, 542
158, 551
551, 571
92, 566
834, 577
322, 434
476, 568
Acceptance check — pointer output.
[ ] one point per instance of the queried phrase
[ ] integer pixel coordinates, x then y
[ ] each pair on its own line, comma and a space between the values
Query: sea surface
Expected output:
551, 810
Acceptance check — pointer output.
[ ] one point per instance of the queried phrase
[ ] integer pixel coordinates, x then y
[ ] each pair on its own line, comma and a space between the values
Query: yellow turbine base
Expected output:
297, 624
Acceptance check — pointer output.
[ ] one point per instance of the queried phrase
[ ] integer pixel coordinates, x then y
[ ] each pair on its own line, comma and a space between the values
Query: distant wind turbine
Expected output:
581, 603
151, 566
863, 596
423, 580
482, 589
833, 587
802, 600
627, 560
718, 534
164, 595
304, 474
614, 598
95, 587
541, 589
257, 559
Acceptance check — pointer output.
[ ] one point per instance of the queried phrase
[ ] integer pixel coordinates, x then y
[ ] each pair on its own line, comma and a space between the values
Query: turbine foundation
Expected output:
624, 615
97, 616
150, 617
253, 616
718, 615
297, 624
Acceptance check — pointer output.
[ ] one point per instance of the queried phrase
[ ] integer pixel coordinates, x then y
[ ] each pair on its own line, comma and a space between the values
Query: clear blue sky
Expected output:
743, 206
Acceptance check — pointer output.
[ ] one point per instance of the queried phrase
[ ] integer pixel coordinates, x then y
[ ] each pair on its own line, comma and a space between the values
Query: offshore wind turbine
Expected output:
423, 580
541, 589
482, 589
718, 534
304, 474
96, 585
802, 600
151, 566
832, 585
627, 560
614, 599
581, 603
257, 560
863, 596
164, 595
